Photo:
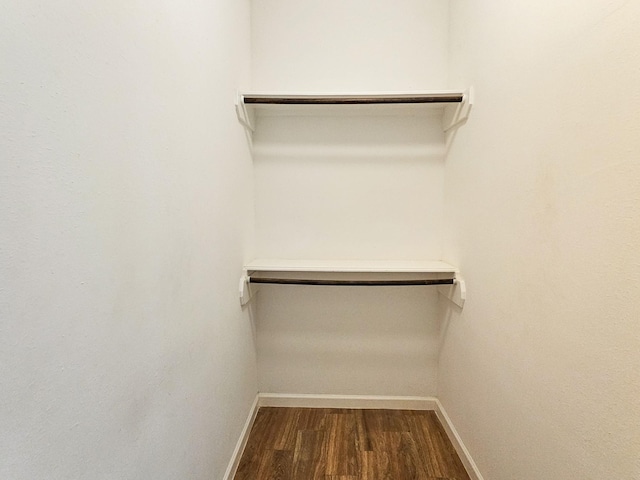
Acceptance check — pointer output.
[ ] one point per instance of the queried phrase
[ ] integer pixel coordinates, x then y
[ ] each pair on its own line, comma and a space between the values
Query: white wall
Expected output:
348, 187
352, 45
124, 186
348, 341
540, 373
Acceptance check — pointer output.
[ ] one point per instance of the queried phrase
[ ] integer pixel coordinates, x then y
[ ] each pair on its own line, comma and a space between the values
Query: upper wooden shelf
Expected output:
453, 105
351, 99
350, 266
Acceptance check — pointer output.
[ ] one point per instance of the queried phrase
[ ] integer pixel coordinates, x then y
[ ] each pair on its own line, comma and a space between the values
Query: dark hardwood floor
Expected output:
344, 444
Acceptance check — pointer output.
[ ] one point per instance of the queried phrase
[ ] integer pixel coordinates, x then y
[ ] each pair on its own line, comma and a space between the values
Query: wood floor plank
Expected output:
268, 426
281, 465
286, 434
454, 467
264, 466
383, 441
265, 437
410, 462
309, 459
431, 458
367, 462
387, 420
340, 444
311, 418
363, 432
441, 459
247, 467
257, 448
387, 445
375, 466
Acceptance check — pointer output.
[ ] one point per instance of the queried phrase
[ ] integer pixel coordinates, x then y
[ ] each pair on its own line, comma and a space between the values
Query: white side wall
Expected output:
125, 209
348, 188
540, 373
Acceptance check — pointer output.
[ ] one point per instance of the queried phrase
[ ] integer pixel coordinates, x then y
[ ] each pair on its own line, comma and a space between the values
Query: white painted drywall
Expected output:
347, 340
353, 45
125, 212
348, 187
540, 374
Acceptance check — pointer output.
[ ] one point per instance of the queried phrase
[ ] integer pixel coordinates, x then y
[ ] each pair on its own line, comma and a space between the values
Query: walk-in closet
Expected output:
330, 240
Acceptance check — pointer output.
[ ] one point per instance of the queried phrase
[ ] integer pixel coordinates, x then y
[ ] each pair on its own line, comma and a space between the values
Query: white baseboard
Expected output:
346, 401
352, 401
463, 452
242, 441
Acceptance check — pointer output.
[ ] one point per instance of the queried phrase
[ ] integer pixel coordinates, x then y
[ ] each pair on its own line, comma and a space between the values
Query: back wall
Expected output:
348, 187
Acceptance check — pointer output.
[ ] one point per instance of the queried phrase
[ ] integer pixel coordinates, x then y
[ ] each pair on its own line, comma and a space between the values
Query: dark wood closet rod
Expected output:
351, 283
352, 100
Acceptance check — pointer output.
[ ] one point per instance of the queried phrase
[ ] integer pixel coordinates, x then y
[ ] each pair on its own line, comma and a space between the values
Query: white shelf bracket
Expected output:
244, 290
245, 117
456, 293
456, 116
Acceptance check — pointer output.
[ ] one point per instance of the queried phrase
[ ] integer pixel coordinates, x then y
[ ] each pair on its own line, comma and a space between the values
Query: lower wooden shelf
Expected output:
353, 273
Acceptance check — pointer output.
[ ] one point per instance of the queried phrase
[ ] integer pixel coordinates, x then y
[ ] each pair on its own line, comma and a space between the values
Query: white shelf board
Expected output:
379, 103
353, 98
321, 268
452, 106
350, 266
